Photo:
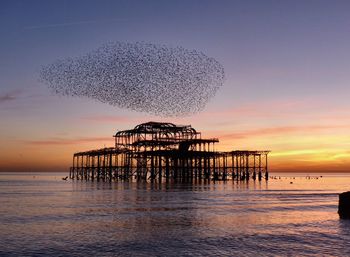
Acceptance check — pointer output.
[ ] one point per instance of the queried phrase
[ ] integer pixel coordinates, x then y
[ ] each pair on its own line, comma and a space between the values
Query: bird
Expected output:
65, 178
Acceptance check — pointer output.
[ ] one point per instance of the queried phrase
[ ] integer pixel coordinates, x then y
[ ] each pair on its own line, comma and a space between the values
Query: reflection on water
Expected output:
41, 214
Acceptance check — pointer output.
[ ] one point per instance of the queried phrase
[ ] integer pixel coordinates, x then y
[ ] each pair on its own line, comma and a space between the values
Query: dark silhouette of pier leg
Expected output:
167, 168
266, 171
110, 167
160, 169
260, 174
98, 167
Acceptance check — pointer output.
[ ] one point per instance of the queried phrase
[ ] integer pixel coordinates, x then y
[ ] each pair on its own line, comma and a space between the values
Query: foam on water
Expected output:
43, 215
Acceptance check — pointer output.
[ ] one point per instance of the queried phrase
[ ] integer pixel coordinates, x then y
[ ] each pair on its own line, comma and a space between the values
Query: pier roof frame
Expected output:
158, 128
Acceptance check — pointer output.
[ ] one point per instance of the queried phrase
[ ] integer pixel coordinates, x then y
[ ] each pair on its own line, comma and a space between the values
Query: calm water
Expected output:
44, 215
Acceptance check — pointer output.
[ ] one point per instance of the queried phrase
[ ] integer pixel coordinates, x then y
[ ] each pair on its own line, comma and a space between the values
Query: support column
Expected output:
152, 167
260, 175
254, 168
71, 172
266, 170
167, 168
160, 169
98, 167
92, 168
110, 167
247, 167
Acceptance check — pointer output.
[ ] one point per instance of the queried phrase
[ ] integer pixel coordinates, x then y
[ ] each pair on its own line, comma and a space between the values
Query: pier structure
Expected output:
158, 151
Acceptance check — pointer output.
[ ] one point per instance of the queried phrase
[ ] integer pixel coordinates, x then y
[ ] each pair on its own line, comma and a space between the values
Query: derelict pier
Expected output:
157, 151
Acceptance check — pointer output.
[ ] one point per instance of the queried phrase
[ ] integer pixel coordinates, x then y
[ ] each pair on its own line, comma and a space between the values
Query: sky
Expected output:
286, 77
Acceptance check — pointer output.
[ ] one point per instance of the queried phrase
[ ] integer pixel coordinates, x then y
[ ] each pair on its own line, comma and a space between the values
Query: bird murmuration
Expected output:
156, 79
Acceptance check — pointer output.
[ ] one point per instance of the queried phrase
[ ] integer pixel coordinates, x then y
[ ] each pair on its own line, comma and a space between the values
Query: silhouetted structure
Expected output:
156, 150
344, 205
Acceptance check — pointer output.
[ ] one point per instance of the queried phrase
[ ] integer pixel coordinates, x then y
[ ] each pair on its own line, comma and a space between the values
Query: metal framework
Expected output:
157, 150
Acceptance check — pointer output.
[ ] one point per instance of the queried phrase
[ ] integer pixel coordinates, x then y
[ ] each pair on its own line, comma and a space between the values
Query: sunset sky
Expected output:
286, 67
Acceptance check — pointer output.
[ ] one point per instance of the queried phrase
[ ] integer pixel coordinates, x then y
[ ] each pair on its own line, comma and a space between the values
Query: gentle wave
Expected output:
44, 215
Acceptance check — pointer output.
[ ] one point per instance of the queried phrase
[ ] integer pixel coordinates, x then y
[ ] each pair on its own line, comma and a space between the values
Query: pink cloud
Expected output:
281, 131
72, 141
106, 118
10, 96
276, 107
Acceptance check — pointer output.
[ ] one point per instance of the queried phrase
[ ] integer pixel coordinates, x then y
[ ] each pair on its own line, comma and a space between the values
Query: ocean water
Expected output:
42, 215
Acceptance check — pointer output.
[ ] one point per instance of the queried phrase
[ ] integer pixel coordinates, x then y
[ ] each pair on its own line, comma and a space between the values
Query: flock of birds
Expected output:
156, 79
291, 182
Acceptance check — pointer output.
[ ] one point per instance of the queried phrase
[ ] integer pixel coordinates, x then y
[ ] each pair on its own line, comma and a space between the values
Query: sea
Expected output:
289, 215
